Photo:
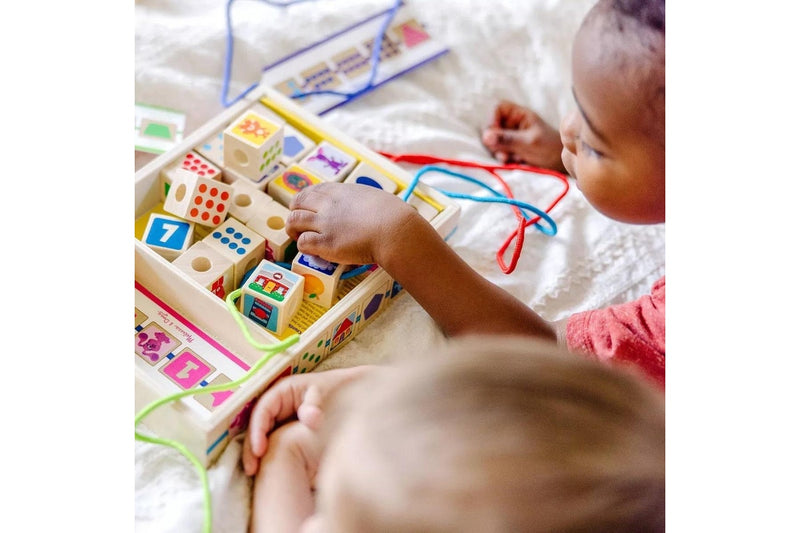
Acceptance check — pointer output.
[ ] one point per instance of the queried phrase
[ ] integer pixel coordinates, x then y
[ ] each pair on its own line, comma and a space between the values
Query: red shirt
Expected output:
633, 332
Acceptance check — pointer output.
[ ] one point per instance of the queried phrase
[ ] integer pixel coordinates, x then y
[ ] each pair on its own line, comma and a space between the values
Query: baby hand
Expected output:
300, 394
348, 223
519, 135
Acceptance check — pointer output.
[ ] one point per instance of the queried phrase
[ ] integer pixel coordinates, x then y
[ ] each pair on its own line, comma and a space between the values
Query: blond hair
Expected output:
496, 434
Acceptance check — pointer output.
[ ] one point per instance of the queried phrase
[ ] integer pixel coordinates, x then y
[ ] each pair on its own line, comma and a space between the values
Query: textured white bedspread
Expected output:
516, 49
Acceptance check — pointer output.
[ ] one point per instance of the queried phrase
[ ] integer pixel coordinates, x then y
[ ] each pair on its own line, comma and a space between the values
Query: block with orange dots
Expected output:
208, 267
269, 221
271, 296
193, 162
322, 278
293, 180
252, 145
247, 199
198, 199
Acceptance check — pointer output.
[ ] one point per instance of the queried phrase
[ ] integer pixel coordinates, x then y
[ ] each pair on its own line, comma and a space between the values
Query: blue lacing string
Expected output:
499, 197
374, 58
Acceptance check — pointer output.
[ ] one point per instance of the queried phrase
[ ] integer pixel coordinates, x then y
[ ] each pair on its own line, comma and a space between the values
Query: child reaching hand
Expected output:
493, 434
613, 145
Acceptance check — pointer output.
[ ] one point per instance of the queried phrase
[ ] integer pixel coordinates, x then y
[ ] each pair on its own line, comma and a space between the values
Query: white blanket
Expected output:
515, 49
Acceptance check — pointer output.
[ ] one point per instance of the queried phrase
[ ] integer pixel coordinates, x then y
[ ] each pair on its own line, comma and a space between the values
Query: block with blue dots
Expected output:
365, 174
238, 243
213, 148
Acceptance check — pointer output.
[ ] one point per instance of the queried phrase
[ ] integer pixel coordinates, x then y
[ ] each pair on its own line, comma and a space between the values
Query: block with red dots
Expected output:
321, 278
198, 199
269, 221
271, 296
247, 199
193, 162
238, 243
208, 267
253, 144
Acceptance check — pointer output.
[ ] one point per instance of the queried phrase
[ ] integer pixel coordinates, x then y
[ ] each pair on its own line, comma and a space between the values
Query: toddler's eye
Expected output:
589, 150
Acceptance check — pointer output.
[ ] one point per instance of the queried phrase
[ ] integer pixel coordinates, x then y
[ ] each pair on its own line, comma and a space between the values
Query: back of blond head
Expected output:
498, 434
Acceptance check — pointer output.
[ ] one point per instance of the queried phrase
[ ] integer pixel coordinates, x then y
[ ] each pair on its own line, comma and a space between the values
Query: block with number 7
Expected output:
168, 236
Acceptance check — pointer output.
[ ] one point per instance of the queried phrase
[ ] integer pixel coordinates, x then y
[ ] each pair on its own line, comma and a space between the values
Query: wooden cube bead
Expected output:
322, 278
208, 267
269, 221
238, 243
168, 236
198, 199
271, 296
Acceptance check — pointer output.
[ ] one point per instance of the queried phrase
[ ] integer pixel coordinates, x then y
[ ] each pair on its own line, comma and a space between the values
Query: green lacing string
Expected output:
271, 349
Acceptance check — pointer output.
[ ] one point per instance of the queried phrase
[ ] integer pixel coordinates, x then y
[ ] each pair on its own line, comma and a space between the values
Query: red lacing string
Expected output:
518, 235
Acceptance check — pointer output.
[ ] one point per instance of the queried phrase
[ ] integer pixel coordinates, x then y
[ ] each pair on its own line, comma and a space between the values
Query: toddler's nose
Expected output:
569, 130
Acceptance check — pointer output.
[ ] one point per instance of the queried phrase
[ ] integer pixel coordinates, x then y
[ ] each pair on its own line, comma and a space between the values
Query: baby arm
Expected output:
283, 494
356, 224
301, 395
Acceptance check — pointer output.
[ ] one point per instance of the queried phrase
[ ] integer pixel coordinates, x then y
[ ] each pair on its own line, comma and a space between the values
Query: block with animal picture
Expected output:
366, 174
291, 181
271, 296
322, 278
269, 221
201, 200
193, 162
253, 144
168, 236
208, 267
238, 243
328, 162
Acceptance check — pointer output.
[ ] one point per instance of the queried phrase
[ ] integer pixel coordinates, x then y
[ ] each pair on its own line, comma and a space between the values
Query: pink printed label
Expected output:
153, 344
220, 397
187, 369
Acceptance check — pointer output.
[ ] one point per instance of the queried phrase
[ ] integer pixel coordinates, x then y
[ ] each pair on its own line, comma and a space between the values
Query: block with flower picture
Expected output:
252, 144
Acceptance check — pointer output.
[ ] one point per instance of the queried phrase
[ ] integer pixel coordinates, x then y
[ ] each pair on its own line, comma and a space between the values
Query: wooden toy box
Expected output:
186, 337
